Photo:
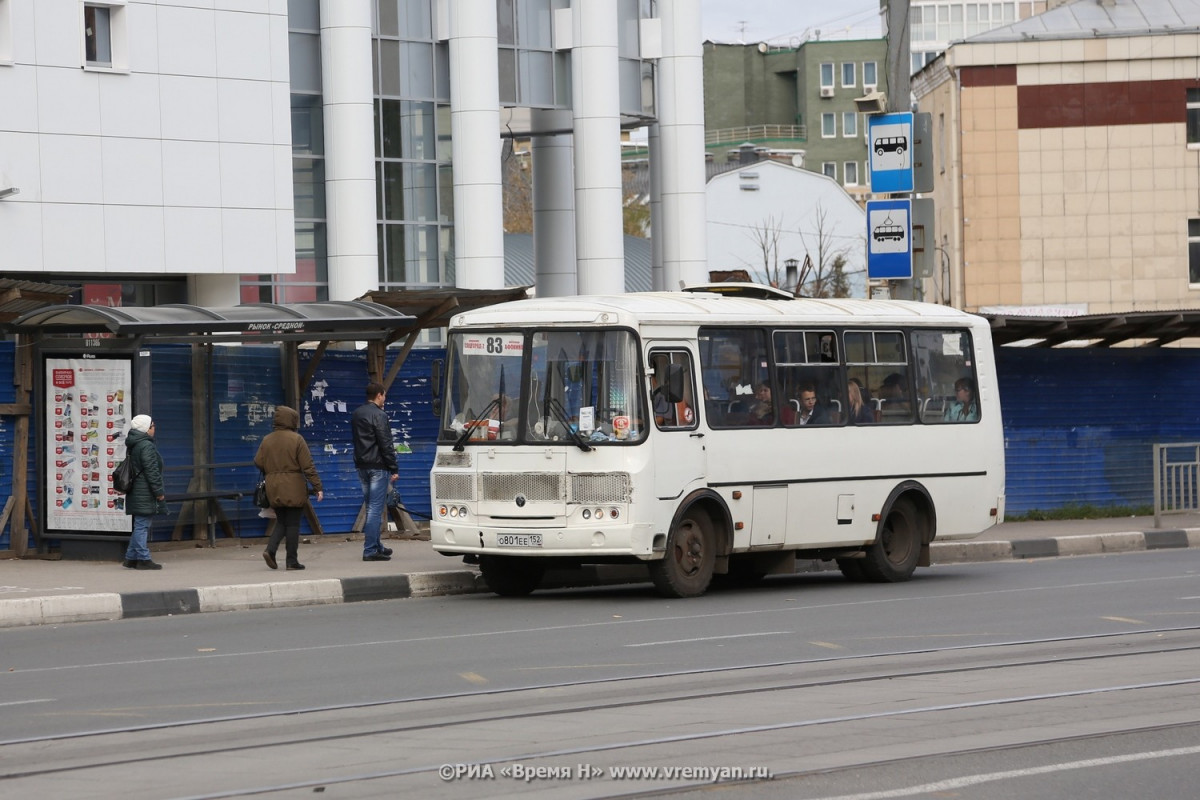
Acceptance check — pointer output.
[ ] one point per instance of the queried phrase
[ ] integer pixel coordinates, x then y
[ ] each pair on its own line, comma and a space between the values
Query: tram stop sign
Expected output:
890, 138
889, 239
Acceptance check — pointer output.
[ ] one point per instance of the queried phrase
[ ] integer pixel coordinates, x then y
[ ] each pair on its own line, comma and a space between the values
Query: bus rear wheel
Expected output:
893, 557
687, 567
511, 577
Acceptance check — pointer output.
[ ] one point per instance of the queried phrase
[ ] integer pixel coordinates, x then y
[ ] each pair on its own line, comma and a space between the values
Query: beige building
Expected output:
1067, 160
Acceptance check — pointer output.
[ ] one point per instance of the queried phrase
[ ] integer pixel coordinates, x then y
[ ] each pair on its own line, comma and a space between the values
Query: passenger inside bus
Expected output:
964, 408
811, 411
893, 394
762, 412
860, 412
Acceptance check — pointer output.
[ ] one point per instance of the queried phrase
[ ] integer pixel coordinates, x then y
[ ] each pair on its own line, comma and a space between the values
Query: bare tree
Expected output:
517, 177
766, 238
824, 270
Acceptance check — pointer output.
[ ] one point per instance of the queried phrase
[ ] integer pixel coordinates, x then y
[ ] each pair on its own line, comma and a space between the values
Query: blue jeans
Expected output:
139, 549
375, 487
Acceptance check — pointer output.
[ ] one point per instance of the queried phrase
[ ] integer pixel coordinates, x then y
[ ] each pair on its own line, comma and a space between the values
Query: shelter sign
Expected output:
89, 402
889, 239
890, 138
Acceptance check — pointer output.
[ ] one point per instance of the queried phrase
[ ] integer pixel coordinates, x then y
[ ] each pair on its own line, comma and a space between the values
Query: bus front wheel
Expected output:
687, 567
893, 556
511, 577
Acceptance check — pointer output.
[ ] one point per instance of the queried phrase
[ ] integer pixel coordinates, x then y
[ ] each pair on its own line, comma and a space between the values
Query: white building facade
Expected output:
296, 150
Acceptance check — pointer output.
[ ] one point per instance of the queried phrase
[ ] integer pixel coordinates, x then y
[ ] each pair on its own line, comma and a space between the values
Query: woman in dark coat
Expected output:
284, 458
146, 497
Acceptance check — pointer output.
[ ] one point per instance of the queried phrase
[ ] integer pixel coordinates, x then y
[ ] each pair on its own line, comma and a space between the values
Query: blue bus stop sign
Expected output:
889, 239
890, 139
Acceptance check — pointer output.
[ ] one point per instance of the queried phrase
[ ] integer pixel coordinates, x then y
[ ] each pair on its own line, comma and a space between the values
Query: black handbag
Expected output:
260, 494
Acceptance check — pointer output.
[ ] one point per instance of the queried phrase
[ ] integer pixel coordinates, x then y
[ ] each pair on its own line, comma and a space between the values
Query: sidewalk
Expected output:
232, 576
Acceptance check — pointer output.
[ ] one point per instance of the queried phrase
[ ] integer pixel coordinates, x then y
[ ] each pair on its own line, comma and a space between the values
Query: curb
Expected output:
28, 611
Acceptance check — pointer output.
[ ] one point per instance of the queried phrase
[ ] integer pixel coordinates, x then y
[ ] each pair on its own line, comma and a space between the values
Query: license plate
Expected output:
519, 540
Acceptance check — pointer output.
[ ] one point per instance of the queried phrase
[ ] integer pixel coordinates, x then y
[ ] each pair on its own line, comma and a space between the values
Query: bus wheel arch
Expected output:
698, 538
906, 527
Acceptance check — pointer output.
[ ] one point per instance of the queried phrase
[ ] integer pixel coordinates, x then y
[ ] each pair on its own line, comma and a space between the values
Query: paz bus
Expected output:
727, 429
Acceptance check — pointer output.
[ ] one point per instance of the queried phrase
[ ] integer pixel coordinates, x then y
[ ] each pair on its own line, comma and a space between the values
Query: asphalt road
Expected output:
1032, 679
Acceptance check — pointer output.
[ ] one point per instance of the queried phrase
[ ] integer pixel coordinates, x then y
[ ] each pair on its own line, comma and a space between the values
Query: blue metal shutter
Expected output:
1079, 423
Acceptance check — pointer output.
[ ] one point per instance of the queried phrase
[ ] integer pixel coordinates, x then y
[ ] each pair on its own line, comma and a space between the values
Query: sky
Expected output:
788, 22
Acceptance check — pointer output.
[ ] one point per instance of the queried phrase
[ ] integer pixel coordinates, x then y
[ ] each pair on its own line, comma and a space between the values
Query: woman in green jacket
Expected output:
146, 497
284, 458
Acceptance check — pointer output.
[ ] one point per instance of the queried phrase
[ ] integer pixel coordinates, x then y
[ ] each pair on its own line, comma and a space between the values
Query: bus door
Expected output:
679, 457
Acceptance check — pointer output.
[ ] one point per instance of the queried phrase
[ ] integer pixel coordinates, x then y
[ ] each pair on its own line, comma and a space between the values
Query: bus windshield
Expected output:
579, 386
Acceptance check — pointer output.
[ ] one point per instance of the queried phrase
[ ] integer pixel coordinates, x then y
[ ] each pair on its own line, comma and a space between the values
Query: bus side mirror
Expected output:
436, 388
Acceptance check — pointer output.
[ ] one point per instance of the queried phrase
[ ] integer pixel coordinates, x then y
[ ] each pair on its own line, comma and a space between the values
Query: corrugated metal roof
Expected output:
1090, 18
21, 297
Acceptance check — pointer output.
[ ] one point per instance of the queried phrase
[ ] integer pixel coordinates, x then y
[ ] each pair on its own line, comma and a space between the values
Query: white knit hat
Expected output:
141, 422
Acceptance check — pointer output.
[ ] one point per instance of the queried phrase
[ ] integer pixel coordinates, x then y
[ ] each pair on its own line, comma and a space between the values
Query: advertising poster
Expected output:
88, 407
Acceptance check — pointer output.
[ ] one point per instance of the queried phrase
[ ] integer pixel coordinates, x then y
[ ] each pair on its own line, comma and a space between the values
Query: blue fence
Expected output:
246, 387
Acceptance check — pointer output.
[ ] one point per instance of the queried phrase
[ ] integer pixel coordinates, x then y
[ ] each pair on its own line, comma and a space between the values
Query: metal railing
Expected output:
750, 133
1176, 479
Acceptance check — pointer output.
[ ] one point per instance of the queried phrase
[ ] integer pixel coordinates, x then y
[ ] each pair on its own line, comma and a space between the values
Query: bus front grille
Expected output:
600, 487
453, 487
462, 459
538, 487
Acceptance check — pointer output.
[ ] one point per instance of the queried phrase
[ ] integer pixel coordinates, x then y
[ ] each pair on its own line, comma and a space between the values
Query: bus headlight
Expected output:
587, 513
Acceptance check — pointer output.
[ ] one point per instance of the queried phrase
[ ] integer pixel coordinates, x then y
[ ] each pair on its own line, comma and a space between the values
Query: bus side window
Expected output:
672, 400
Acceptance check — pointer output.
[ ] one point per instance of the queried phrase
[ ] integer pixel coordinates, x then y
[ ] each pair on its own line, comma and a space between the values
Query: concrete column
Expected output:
349, 147
475, 145
215, 291
553, 205
681, 129
654, 149
599, 234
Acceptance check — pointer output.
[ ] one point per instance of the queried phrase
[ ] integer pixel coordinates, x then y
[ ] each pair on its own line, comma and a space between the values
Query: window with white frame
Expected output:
850, 173
870, 75
1194, 251
104, 35
848, 74
849, 124
828, 125
827, 76
829, 169
1193, 117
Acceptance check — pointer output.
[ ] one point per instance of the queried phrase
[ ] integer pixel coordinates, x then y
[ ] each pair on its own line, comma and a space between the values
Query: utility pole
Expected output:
899, 68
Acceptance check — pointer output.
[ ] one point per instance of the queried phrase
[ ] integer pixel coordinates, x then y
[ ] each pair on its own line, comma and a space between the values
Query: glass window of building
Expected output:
413, 170
849, 124
828, 125
827, 76
1194, 251
97, 36
829, 169
870, 75
849, 77
850, 173
1193, 116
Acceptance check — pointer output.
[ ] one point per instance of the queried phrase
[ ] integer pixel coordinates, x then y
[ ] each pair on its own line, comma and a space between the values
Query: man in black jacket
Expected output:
375, 460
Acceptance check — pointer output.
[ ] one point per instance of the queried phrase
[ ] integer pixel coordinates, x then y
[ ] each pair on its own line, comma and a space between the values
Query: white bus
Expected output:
728, 429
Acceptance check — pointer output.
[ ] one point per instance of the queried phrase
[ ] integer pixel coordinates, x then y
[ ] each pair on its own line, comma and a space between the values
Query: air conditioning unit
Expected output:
826, 91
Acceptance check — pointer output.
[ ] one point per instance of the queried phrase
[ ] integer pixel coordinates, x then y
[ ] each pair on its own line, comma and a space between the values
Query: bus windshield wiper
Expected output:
469, 428
560, 414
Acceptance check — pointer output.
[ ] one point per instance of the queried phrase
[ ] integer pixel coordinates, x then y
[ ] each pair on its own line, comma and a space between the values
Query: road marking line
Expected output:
988, 777
26, 702
473, 677
1125, 619
710, 638
829, 645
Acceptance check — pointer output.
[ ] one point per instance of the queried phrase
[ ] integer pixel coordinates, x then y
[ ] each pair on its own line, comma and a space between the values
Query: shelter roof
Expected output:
433, 308
1144, 328
332, 320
